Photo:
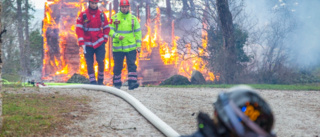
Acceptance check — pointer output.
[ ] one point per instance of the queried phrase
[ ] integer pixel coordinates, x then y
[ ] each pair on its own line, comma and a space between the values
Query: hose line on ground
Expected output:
150, 116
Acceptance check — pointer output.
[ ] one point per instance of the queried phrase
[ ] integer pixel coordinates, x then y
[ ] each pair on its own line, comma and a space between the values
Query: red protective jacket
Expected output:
91, 31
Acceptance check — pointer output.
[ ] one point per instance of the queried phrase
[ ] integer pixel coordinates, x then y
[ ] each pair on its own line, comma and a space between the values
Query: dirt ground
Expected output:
297, 113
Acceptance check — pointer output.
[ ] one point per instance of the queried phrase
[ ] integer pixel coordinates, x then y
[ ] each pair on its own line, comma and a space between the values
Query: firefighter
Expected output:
92, 31
126, 33
241, 112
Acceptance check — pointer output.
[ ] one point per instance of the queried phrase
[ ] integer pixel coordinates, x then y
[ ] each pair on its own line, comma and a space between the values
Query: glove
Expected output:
121, 37
84, 49
138, 49
206, 126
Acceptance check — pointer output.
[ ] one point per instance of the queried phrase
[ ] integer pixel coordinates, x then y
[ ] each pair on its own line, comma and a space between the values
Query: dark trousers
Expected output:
118, 65
100, 55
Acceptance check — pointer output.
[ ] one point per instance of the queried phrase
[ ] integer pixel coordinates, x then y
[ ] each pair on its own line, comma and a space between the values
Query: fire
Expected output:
169, 53
154, 40
62, 56
60, 41
83, 65
107, 13
63, 71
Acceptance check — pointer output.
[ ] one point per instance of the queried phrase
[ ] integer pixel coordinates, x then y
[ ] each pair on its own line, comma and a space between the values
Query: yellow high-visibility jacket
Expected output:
129, 27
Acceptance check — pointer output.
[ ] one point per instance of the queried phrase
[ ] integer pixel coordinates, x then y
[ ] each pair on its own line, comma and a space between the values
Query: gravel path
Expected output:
297, 113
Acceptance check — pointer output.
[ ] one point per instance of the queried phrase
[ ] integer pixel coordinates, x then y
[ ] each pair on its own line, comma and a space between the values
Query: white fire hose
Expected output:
151, 117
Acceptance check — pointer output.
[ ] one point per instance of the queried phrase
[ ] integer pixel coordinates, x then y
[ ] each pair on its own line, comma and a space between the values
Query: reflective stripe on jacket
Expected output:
91, 31
129, 27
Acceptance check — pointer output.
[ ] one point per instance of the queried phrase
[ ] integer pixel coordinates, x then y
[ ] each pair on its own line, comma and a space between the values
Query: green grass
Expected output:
315, 86
61, 84
256, 86
12, 85
11, 77
36, 114
19, 84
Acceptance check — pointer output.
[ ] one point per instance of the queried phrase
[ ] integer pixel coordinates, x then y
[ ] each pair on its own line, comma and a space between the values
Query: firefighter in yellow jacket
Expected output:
126, 33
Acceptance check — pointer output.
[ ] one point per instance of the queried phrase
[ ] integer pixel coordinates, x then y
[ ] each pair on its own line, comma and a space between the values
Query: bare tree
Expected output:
192, 8
9, 42
116, 5
225, 17
16, 40
185, 5
188, 5
273, 68
1, 53
217, 50
21, 37
169, 17
148, 14
27, 43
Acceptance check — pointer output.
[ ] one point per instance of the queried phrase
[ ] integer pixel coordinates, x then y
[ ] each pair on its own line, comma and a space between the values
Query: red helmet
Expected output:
94, 0
124, 3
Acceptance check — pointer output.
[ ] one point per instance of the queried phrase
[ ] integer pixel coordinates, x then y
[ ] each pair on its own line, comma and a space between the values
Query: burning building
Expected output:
62, 55
157, 61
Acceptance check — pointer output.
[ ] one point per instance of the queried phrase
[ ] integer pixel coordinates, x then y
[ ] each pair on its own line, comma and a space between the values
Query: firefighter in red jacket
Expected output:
92, 31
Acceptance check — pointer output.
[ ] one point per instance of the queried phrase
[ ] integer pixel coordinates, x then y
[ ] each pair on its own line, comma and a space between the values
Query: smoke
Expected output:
303, 40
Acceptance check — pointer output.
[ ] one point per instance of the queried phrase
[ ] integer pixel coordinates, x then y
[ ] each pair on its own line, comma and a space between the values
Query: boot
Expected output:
100, 81
117, 86
93, 82
133, 85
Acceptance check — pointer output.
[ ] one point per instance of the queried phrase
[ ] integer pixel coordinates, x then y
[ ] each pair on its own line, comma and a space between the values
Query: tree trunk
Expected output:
185, 6
0, 69
116, 5
141, 3
192, 8
169, 10
20, 37
0, 48
133, 7
138, 11
27, 43
148, 12
229, 63
169, 22
205, 22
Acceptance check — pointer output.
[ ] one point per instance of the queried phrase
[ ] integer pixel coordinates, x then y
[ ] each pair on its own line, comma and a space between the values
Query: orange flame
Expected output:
63, 71
169, 53
152, 39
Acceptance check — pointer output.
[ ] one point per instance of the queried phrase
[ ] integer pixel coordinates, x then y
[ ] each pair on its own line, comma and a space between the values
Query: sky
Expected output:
39, 4
39, 12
